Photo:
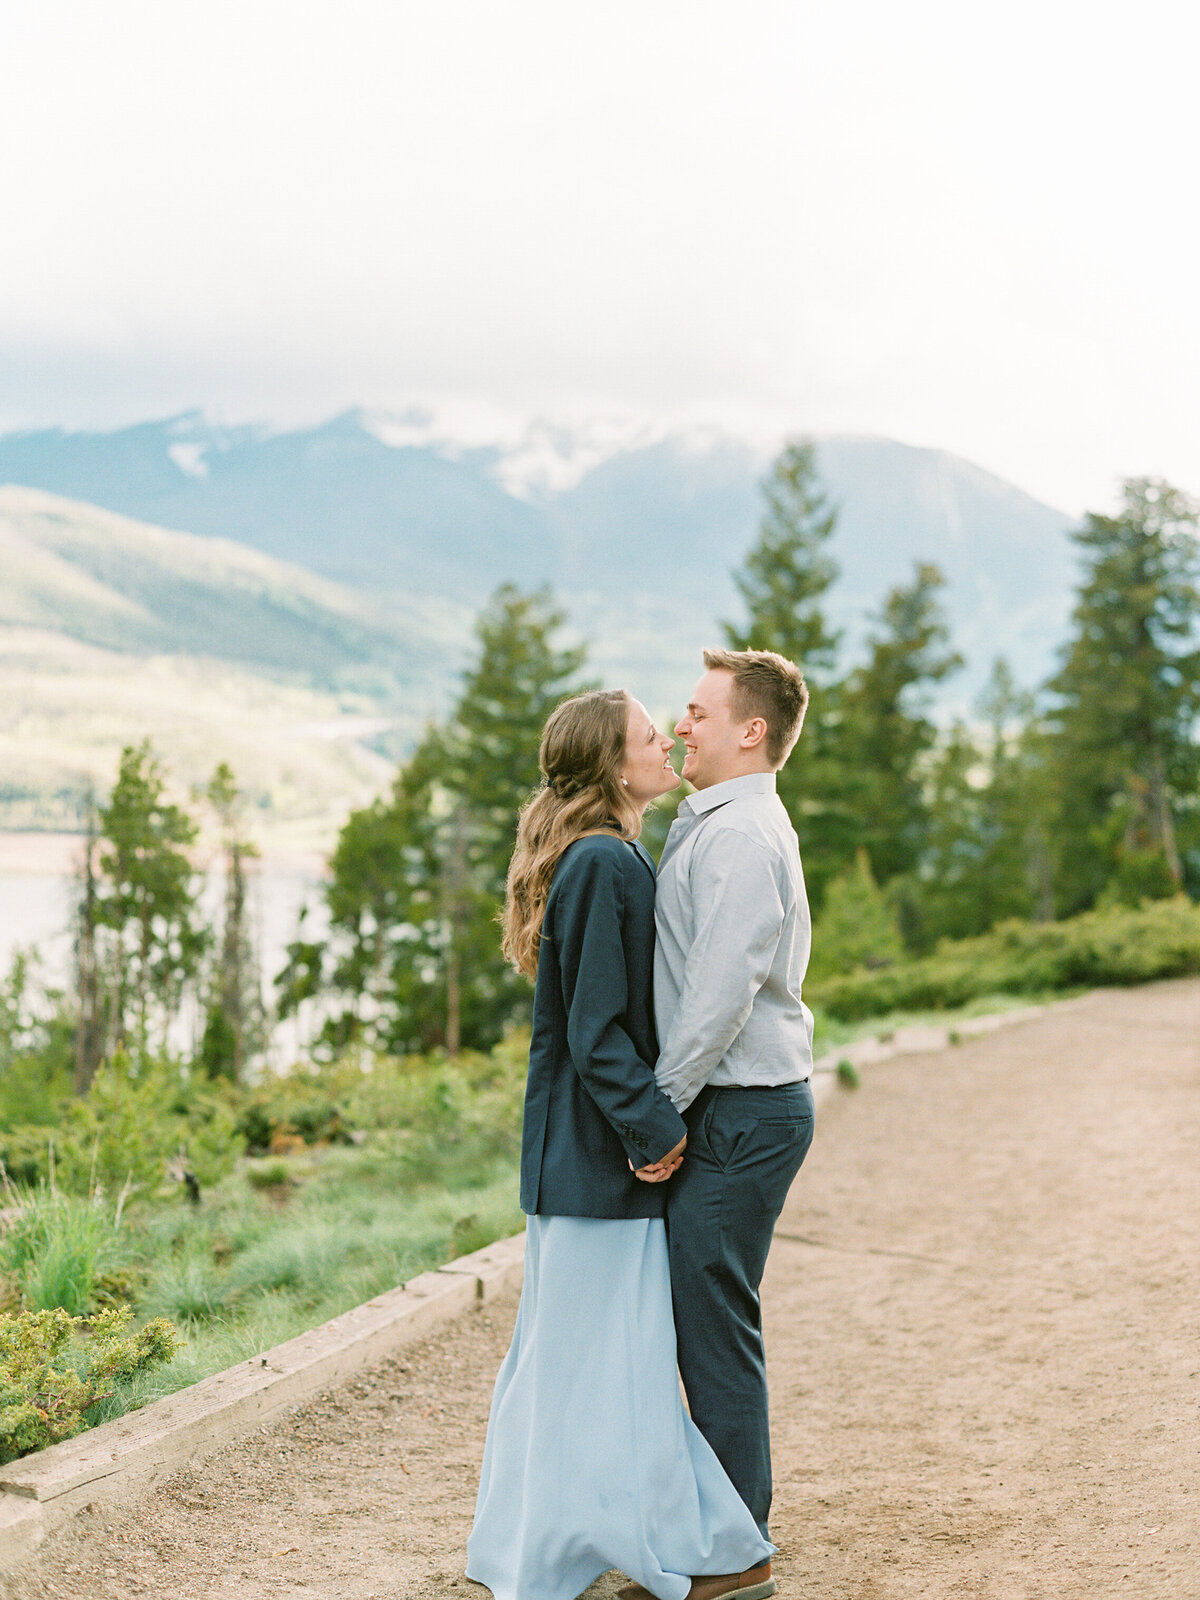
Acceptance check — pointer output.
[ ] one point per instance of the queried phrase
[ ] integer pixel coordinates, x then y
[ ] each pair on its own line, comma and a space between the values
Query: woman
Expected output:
591, 1461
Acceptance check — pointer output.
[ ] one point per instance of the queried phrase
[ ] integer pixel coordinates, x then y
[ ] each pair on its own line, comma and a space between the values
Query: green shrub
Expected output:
43, 1398
448, 1114
438, 1118
274, 1176
138, 1120
25, 1152
301, 1105
37, 1046
33, 1088
1111, 945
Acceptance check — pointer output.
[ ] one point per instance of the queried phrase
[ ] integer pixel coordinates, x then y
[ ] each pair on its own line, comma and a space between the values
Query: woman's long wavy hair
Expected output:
581, 755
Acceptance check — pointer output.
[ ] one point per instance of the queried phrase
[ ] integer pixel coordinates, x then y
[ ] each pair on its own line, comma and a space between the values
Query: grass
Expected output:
246, 1271
64, 1252
257, 1264
832, 1033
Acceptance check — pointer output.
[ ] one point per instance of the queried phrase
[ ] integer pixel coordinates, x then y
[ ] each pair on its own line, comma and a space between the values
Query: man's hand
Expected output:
660, 1171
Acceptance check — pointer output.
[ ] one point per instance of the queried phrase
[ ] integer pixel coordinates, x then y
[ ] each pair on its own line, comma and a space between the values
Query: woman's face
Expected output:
647, 769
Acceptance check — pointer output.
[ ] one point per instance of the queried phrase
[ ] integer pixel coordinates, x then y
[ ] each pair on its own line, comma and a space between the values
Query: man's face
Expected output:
711, 738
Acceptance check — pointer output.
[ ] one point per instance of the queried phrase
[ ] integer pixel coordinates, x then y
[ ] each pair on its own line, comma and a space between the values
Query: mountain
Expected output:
112, 631
107, 580
334, 498
1009, 566
640, 540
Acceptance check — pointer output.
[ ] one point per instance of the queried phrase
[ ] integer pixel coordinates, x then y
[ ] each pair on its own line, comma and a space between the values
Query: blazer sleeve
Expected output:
591, 954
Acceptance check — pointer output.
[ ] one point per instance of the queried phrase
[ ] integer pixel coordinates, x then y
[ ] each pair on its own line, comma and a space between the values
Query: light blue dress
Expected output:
591, 1461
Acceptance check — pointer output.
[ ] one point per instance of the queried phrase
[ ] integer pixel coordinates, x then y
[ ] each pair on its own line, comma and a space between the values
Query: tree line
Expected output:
1044, 804
1047, 804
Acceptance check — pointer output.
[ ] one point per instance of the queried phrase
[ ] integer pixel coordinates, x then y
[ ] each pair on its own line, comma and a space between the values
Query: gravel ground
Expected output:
985, 1362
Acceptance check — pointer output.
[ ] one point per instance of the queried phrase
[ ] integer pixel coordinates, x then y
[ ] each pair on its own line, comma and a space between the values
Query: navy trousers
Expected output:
744, 1148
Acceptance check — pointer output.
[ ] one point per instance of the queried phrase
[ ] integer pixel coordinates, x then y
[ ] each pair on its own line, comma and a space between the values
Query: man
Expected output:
735, 1040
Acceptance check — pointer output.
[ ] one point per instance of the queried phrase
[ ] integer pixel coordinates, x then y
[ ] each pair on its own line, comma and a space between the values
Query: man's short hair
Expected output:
769, 686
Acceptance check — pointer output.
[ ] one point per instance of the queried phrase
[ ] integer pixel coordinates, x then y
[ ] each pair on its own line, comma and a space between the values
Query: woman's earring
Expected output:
624, 783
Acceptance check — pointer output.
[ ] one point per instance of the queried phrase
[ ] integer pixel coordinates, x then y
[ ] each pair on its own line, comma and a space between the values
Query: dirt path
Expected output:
984, 1328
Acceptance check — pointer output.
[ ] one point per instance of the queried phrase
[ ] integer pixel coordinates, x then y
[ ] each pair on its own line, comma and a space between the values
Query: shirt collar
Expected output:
750, 783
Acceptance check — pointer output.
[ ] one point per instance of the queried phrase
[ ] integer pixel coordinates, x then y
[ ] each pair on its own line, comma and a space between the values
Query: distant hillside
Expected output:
112, 631
106, 580
1009, 564
641, 544
333, 498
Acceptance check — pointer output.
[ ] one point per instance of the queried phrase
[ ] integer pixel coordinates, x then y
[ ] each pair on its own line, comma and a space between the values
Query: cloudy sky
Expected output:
971, 226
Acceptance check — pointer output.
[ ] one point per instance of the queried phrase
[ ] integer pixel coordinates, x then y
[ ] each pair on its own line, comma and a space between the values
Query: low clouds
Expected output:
924, 223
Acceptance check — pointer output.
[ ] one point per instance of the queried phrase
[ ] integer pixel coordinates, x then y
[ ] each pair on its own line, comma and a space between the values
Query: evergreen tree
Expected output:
985, 856
783, 585
146, 900
886, 735
857, 926
234, 1027
1018, 881
90, 1021
302, 977
417, 880
520, 675
789, 569
383, 905
1126, 701
941, 897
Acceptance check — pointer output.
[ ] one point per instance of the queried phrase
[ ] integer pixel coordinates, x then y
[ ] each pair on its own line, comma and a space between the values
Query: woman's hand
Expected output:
660, 1171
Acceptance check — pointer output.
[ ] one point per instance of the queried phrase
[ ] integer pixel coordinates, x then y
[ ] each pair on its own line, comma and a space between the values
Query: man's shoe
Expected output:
754, 1584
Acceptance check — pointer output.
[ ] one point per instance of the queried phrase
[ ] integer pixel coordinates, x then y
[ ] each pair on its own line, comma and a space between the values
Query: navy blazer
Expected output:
591, 1102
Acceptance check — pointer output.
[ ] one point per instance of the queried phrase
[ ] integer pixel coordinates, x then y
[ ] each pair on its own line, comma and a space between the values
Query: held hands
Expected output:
660, 1171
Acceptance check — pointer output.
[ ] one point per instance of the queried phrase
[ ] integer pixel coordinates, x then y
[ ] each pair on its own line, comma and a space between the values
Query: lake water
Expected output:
35, 915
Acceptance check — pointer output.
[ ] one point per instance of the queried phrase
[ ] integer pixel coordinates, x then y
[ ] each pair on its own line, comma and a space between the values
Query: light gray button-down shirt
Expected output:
734, 935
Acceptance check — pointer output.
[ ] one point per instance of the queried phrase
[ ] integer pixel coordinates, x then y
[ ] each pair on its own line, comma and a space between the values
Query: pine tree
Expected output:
89, 1027
301, 978
786, 577
985, 855
857, 926
146, 900
1016, 803
382, 896
789, 570
886, 735
417, 880
234, 1026
521, 673
1127, 699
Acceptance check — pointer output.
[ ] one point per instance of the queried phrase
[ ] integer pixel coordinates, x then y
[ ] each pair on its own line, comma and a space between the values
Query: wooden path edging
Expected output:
125, 1458
923, 1038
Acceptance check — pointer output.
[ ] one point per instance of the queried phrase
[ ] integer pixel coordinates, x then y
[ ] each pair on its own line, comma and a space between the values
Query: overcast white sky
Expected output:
970, 226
